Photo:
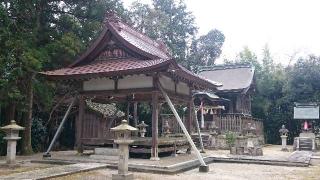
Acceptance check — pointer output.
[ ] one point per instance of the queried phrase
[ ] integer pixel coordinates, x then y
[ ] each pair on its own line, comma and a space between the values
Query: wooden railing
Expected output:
237, 122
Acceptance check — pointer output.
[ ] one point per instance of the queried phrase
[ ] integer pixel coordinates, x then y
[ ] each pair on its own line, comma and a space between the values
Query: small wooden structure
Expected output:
123, 65
238, 85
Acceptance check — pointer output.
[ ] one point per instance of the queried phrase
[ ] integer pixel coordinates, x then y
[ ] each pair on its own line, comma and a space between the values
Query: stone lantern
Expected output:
166, 128
213, 128
123, 138
284, 135
12, 132
142, 128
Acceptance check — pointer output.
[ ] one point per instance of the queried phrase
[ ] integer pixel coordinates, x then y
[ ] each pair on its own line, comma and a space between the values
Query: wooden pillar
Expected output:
128, 112
190, 120
135, 114
155, 113
79, 123
190, 116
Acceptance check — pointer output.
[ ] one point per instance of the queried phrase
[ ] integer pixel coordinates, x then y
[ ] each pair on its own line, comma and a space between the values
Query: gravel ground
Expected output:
22, 167
223, 171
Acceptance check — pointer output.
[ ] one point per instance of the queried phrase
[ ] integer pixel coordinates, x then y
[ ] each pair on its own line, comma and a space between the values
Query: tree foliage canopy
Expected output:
278, 87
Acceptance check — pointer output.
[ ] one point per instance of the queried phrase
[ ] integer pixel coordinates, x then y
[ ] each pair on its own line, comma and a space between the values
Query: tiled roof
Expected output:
139, 40
110, 67
153, 56
129, 38
232, 78
186, 72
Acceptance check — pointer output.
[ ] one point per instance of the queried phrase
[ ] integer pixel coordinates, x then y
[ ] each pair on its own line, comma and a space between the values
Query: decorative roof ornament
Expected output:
111, 16
106, 110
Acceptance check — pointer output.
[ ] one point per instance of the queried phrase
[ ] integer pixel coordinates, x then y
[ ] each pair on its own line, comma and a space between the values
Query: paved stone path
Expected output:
54, 171
300, 156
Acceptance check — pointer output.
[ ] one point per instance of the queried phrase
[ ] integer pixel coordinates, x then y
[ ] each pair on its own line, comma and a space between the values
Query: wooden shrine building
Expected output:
238, 85
123, 65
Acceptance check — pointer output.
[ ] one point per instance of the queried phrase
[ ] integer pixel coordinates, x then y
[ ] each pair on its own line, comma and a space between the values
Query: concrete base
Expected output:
174, 155
203, 168
285, 149
122, 176
46, 155
154, 159
104, 157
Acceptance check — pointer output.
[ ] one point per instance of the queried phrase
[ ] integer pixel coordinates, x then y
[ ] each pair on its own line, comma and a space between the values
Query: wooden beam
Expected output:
118, 92
128, 112
79, 123
155, 121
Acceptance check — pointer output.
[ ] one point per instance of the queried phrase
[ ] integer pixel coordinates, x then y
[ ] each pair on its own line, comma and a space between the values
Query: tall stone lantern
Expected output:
123, 138
284, 135
12, 136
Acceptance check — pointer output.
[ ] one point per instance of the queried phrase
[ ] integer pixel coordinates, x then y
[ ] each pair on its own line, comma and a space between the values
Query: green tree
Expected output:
39, 35
168, 21
207, 48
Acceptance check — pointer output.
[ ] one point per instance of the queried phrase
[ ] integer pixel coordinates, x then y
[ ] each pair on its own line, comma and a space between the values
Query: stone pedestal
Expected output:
11, 151
284, 143
123, 159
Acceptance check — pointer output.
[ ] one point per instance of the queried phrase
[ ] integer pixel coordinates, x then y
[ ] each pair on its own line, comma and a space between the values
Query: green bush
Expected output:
230, 138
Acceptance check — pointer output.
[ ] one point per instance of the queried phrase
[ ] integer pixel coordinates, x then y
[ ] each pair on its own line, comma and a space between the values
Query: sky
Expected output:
290, 28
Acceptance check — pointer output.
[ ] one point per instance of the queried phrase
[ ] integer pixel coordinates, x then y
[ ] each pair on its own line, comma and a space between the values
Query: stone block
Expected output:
203, 168
307, 135
106, 151
233, 150
240, 150
258, 151
122, 176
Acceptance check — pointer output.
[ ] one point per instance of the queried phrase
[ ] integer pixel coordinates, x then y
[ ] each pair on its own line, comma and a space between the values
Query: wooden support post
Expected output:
189, 120
79, 124
203, 167
47, 153
190, 116
155, 112
135, 116
128, 112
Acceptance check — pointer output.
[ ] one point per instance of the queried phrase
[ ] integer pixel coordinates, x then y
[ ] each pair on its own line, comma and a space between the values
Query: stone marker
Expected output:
12, 132
123, 135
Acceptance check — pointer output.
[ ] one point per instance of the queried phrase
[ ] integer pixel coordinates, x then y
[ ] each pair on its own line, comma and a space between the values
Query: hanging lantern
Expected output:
211, 112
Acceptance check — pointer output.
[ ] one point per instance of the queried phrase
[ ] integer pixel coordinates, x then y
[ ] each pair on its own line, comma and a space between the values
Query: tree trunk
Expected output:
10, 112
26, 138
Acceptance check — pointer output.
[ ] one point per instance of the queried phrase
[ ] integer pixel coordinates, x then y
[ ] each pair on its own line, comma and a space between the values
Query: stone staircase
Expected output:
305, 144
